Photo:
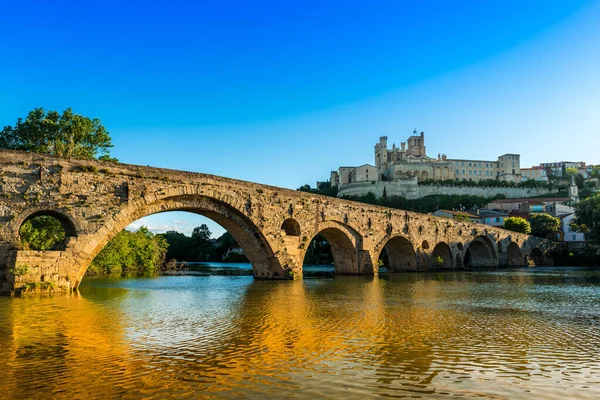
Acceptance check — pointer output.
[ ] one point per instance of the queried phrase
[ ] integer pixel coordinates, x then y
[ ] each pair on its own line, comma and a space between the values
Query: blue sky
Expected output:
282, 92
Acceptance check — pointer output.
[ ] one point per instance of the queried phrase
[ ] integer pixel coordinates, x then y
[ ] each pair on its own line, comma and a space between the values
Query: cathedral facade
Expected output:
410, 162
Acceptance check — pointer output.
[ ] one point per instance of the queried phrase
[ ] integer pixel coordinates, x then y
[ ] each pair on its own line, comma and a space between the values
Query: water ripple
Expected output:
491, 334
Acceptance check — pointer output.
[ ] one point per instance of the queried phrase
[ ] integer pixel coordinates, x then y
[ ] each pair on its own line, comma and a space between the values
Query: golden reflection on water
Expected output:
490, 335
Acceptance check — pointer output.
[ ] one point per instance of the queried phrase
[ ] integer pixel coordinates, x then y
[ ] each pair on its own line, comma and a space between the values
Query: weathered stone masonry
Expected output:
274, 226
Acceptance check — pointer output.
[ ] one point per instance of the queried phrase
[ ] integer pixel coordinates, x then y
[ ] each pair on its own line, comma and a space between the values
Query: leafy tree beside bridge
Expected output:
517, 224
544, 225
66, 135
587, 219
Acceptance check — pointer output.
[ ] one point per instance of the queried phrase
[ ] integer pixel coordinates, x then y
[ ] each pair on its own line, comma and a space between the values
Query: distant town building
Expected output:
410, 162
233, 250
559, 168
534, 173
531, 205
493, 218
567, 234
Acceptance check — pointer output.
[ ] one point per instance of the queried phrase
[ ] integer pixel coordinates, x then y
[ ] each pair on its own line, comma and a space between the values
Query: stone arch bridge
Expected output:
274, 226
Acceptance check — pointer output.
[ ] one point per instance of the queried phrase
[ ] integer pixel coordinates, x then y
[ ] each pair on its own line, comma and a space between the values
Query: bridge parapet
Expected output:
274, 226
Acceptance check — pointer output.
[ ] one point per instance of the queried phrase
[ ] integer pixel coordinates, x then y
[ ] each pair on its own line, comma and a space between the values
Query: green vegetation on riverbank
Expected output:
427, 204
140, 252
200, 247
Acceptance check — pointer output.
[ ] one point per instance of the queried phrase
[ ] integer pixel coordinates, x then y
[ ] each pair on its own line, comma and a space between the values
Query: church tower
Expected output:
573, 190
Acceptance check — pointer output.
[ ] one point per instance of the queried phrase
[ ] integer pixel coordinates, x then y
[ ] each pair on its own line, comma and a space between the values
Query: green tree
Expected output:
324, 189
579, 181
201, 234
180, 246
587, 219
66, 134
461, 217
140, 252
569, 172
517, 224
42, 232
544, 225
205, 251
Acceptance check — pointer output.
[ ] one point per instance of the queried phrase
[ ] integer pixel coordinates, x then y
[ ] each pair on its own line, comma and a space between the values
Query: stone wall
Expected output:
411, 190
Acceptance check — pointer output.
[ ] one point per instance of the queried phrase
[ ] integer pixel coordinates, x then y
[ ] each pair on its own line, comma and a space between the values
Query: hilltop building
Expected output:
410, 162
555, 169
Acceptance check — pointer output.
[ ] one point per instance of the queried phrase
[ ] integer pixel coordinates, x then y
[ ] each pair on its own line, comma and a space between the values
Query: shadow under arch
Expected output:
291, 227
249, 237
343, 242
400, 252
514, 257
443, 251
481, 253
537, 256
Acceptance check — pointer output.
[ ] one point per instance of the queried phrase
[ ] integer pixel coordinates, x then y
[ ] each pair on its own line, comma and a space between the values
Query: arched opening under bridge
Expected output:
514, 257
441, 256
244, 238
331, 250
537, 256
46, 230
480, 253
398, 254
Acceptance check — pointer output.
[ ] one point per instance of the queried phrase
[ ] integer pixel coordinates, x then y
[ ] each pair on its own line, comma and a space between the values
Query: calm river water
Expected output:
515, 334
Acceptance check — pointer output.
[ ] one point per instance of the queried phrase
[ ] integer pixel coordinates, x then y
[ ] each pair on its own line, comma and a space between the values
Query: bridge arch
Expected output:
69, 227
537, 256
480, 253
291, 227
514, 257
344, 243
443, 251
68, 223
265, 263
400, 252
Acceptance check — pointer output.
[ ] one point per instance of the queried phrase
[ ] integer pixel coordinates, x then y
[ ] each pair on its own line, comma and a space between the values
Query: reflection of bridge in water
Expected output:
274, 226
254, 337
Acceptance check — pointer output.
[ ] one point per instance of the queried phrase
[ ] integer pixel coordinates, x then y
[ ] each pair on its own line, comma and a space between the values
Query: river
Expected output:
495, 334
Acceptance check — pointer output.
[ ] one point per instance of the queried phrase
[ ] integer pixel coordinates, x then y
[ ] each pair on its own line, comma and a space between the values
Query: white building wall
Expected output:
569, 234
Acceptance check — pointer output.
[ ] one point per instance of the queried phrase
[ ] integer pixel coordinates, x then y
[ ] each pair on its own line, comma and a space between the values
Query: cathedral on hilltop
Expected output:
410, 162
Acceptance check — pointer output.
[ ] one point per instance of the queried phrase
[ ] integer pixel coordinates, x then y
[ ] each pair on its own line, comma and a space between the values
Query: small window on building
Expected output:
497, 219
574, 237
463, 171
